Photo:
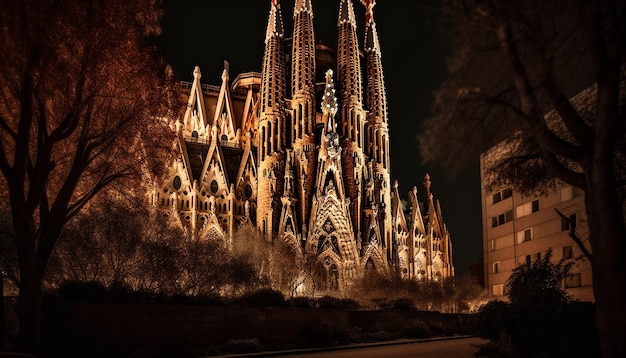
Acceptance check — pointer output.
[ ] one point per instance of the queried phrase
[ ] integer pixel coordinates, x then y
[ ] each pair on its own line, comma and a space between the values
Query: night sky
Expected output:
413, 42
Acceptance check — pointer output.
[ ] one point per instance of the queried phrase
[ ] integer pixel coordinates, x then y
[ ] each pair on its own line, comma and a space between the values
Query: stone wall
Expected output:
122, 324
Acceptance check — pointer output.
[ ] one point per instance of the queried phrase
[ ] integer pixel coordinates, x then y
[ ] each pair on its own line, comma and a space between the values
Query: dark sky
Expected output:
206, 33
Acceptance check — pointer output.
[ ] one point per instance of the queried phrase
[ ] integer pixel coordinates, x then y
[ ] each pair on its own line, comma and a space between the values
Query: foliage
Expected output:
337, 303
540, 283
453, 294
301, 301
418, 329
540, 318
490, 319
264, 297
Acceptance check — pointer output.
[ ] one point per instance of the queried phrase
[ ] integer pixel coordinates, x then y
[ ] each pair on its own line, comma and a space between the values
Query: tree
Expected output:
82, 97
513, 73
122, 242
540, 318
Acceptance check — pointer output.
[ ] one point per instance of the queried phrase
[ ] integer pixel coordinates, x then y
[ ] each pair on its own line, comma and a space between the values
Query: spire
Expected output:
346, 13
303, 70
369, 10
329, 101
271, 118
376, 107
301, 131
371, 35
195, 119
302, 6
275, 23
427, 185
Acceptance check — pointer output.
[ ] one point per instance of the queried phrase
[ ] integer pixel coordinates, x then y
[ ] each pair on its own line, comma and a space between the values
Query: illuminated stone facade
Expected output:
301, 152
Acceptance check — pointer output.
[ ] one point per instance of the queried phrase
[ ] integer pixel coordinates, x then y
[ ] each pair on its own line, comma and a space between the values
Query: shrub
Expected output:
489, 321
402, 304
418, 329
300, 301
540, 319
264, 297
334, 302
81, 291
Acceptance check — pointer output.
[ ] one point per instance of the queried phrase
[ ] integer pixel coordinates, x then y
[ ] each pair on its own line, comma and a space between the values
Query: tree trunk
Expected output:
2, 319
608, 243
30, 313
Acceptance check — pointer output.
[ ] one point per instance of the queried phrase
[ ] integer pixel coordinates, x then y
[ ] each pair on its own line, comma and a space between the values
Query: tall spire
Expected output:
352, 114
271, 121
376, 95
275, 23
303, 70
349, 75
378, 146
300, 130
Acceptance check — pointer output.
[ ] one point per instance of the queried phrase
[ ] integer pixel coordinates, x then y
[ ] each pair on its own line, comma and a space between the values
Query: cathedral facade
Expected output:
300, 152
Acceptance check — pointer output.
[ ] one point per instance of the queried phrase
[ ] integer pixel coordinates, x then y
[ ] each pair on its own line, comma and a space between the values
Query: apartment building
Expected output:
519, 229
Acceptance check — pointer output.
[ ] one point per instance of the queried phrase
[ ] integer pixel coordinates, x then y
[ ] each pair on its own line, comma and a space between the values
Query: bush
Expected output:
338, 303
263, 298
81, 291
418, 329
540, 319
402, 304
300, 301
490, 319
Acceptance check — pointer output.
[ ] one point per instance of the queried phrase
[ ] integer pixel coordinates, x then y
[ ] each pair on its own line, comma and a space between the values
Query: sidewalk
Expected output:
337, 348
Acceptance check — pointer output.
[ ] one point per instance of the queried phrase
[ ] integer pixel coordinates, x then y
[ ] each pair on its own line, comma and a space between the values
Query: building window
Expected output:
527, 259
502, 219
492, 245
496, 267
567, 252
498, 290
501, 195
537, 256
566, 193
524, 235
567, 224
573, 280
527, 208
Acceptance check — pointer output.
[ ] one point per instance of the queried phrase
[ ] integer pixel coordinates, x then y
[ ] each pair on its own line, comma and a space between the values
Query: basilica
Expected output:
300, 152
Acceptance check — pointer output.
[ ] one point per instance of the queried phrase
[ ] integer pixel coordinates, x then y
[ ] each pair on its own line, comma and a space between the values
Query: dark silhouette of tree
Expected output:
539, 282
516, 72
540, 319
81, 99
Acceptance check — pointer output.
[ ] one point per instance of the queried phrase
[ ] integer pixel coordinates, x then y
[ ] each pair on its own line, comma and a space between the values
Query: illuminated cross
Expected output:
369, 10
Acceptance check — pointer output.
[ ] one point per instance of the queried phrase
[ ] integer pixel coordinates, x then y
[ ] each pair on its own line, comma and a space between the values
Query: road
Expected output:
451, 348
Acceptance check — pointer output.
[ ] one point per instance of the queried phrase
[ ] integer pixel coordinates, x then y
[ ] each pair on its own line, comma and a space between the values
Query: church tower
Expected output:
352, 113
272, 118
378, 132
303, 118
